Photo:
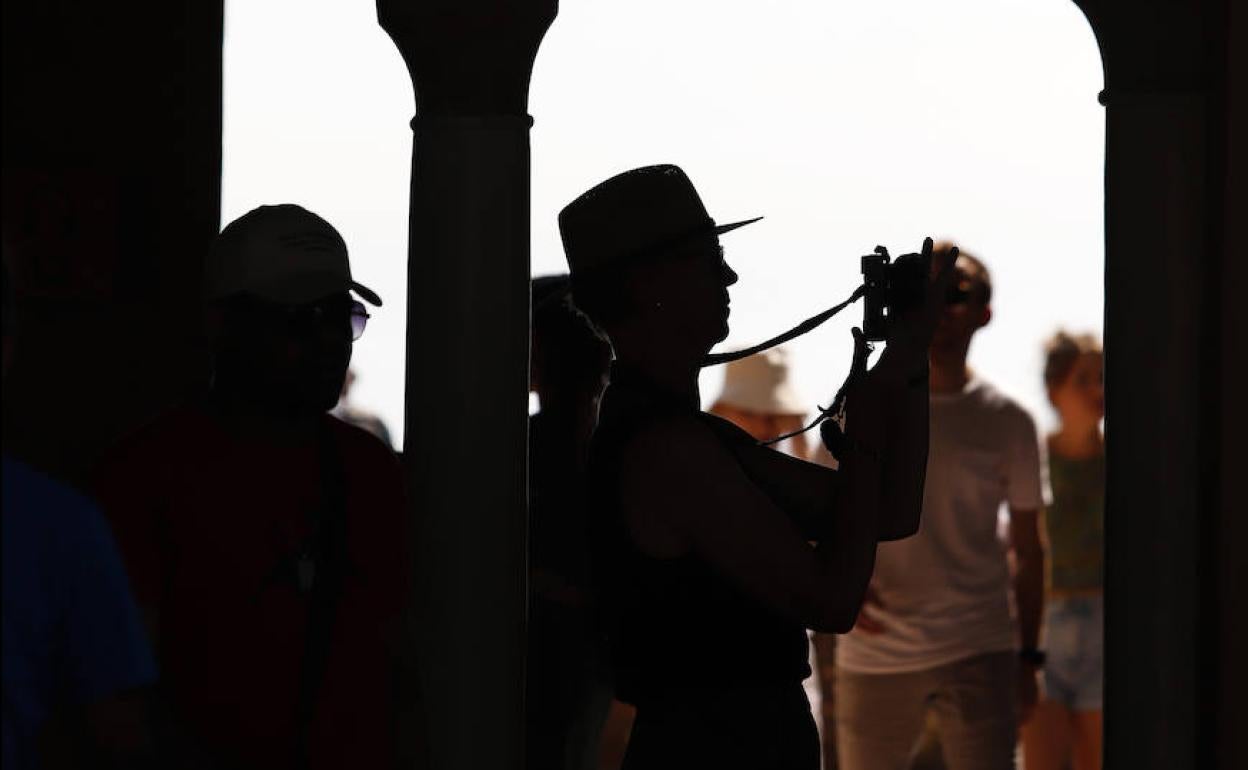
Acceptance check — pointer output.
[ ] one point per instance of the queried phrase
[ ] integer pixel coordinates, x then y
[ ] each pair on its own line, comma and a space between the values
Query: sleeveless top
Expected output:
1076, 523
673, 624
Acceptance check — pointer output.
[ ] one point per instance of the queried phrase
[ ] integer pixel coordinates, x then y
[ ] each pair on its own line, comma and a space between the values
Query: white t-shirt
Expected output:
946, 590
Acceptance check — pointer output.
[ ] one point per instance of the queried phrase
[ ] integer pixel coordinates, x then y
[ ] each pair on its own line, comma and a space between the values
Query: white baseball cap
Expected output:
283, 253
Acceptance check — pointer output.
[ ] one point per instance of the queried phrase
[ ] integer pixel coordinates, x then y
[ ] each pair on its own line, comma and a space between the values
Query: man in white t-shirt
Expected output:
936, 641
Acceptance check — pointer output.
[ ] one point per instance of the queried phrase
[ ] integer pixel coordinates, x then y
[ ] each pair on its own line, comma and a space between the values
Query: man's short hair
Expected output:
981, 276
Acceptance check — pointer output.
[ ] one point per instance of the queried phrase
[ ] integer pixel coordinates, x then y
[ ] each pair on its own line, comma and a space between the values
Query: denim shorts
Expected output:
1074, 670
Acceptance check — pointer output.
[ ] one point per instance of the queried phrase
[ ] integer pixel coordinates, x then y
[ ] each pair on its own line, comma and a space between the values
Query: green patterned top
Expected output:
1076, 523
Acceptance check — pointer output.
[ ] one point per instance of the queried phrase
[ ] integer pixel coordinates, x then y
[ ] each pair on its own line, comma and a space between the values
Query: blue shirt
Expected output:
71, 630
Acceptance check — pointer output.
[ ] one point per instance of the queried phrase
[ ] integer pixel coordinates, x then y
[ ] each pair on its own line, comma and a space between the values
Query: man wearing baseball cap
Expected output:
265, 538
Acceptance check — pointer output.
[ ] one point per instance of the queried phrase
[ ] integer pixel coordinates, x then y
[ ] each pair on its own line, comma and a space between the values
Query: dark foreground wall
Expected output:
111, 187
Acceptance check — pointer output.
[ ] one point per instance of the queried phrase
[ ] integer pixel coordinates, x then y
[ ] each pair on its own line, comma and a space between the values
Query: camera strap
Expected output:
810, 324
833, 433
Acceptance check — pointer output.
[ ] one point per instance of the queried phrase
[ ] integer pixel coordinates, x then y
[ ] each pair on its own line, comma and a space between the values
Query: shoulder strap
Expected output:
330, 553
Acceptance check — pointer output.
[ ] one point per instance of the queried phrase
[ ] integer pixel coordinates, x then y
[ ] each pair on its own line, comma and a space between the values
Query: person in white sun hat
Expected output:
759, 397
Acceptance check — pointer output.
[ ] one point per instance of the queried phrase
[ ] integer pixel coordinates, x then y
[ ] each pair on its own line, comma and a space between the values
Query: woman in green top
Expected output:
1066, 727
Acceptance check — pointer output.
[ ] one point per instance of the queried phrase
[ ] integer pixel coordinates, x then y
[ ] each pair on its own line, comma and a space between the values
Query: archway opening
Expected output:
847, 125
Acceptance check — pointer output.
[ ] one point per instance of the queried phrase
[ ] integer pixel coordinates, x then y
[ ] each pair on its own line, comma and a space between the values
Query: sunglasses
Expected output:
311, 319
957, 296
359, 319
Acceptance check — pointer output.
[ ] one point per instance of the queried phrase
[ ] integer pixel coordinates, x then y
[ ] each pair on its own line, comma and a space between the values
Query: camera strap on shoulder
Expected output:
810, 324
837, 407
833, 418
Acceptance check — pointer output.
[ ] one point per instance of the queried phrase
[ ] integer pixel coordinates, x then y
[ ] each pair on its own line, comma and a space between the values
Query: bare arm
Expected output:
802, 490
1029, 596
1029, 578
896, 414
901, 374
681, 489
905, 462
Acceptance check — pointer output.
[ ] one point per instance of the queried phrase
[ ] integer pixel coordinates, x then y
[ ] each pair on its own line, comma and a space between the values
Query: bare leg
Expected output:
1047, 737
615, 735
1087, 742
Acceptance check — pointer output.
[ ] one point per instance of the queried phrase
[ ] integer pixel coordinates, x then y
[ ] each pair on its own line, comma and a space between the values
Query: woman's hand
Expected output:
905, 357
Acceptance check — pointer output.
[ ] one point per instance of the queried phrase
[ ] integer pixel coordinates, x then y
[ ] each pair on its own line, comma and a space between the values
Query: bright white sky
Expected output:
845, 123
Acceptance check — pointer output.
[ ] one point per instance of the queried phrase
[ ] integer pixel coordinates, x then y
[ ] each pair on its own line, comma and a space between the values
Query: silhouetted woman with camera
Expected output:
714, 554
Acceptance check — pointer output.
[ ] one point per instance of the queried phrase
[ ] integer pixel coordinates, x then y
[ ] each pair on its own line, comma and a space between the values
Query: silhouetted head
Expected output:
646, 263
968, 307
1074, 378
281, 315
570, 358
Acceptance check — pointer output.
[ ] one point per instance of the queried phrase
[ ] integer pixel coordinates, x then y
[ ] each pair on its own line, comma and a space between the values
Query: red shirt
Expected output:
204, 518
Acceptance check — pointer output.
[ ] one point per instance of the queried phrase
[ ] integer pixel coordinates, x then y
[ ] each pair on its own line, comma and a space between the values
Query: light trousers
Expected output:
973, 704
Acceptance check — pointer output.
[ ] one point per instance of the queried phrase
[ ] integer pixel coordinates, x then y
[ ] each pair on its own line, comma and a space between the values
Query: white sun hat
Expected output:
760, 384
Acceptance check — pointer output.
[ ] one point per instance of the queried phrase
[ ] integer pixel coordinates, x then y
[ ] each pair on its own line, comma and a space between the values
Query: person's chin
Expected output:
324, 396
944, 341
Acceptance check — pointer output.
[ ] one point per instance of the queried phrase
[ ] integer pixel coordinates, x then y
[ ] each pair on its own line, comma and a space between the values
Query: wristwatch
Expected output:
1032, 657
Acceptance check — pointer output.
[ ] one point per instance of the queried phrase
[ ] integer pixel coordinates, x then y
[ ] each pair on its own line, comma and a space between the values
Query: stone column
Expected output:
465, 452
1156, 382
1167, 350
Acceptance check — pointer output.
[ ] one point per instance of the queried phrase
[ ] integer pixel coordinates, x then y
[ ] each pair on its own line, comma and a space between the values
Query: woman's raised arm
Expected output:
680, 485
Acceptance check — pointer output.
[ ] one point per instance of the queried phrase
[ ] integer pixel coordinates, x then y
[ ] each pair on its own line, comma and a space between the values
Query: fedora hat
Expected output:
642, 213
760, 384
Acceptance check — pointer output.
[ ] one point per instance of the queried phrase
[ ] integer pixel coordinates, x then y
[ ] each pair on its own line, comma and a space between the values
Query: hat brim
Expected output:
366, 294
721, 229
660, 249
312, 287
714, 231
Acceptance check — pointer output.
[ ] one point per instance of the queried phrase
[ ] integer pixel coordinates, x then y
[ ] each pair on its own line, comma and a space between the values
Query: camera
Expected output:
892, 287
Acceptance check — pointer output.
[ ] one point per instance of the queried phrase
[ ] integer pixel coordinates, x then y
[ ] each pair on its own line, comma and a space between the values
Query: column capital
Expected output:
1154, 48
468, 57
